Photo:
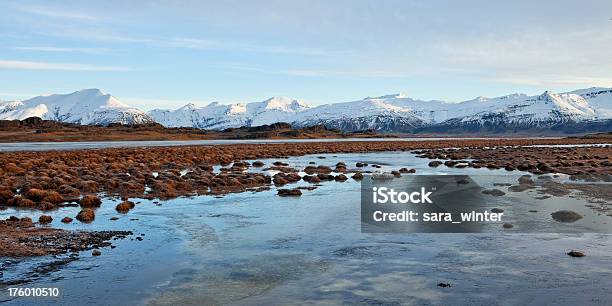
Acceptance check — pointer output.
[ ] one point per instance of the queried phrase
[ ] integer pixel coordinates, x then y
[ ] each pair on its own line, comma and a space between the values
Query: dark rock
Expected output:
86, 215
45, 219
44, 205
289, 192
576, 254
323, 169
325, 177
90, 201
279, 181
313, 179
494, 192
450, 163
434, 163
519, 188
124, 207
526, 180
66, 220
310, 169
567, 216
544, 166
340, 178
35, 195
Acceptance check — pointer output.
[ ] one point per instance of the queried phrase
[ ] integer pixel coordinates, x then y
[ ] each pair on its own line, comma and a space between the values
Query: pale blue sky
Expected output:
167, 53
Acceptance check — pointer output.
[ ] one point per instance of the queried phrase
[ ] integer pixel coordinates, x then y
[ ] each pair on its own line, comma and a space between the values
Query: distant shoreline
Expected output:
42, 131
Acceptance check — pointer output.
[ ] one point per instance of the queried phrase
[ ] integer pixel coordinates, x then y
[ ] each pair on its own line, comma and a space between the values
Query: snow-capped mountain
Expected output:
212, 116
600, 99
371, 113
89, 106
515, 111
275, 109
219, 116
581, 109
524, 111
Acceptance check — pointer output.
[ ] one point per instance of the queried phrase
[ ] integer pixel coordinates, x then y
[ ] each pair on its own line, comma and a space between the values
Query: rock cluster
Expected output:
46, 180
537, 160
19, 237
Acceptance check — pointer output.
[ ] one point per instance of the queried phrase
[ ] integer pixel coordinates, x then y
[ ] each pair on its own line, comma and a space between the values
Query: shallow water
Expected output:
258, 248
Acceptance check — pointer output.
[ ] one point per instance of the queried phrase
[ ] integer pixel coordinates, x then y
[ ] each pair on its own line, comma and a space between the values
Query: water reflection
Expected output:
258, 248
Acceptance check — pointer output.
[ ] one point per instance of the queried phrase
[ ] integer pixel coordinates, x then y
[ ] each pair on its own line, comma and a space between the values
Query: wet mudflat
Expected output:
257, 247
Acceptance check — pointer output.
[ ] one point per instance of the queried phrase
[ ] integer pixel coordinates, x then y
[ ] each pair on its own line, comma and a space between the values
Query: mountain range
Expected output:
88, 106
584, 110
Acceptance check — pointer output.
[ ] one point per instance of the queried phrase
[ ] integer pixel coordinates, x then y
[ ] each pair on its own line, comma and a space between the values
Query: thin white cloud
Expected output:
567, 59
96, 35
28, 65
62, 49
55, 13
373, 73
207, 44
556, 81
194, 43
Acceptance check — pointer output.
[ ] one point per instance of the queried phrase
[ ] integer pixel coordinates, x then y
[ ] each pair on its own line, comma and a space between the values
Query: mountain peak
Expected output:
89, 92
236, 108
548, 96
188, 106
391, 96
278, 99
86, 106
92, 90
283, 104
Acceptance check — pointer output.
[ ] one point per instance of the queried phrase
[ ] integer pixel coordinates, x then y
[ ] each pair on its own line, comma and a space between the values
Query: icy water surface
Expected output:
258, 248
76, 145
